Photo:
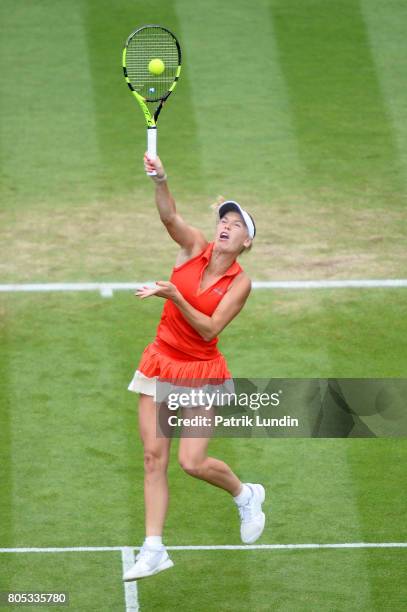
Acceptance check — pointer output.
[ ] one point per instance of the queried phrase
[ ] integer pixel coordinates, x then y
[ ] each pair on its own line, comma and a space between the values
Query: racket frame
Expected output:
151, 119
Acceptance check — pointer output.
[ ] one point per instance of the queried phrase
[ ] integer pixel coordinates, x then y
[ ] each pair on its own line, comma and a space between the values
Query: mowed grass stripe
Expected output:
121, 126
81, 576
49, 152
346, 140
6, 407
303, 492
323, 334
72, 424
299, 580
248, 143
385, 25
381, 462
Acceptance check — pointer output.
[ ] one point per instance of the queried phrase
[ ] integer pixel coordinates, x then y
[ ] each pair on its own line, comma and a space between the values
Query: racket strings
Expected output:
145, 45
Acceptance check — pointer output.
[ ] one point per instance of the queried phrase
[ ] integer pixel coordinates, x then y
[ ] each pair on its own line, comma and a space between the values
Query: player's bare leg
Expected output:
156, 454
153, 557
194, 460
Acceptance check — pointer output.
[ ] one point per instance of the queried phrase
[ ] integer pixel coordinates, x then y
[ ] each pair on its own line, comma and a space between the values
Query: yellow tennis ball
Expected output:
156, 66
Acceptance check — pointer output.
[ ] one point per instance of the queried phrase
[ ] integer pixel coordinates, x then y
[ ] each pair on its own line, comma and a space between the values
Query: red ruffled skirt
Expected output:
192, 372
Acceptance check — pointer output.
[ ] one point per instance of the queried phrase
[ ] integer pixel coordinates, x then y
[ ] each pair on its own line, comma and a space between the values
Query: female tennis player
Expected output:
207, 289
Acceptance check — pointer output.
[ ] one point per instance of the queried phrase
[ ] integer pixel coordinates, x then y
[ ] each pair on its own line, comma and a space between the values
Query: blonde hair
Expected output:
215, 207
219, 200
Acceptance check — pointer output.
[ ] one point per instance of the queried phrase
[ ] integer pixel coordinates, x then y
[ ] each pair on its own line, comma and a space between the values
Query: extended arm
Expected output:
190, 239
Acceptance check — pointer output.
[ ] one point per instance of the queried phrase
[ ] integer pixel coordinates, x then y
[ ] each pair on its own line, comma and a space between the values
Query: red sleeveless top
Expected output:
175, 336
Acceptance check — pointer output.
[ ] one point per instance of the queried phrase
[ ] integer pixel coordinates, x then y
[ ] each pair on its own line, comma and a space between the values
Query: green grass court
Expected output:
296, 109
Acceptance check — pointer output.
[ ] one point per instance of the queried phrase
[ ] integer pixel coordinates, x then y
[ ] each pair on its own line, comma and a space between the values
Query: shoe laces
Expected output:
246, 511
147, 553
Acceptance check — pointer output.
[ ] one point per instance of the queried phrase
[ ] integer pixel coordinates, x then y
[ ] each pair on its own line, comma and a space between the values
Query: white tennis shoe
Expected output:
251, 515
149, 561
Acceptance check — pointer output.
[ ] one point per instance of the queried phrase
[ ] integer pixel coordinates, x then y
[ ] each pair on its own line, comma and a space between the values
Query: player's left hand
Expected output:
164, 289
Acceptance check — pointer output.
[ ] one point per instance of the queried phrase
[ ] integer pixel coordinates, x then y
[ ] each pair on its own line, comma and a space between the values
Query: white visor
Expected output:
232, 205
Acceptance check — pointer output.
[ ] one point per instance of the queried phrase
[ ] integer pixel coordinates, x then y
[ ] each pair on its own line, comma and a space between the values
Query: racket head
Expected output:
146, 43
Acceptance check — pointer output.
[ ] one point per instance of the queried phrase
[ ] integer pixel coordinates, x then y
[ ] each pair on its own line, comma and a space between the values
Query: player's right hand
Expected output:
151, 165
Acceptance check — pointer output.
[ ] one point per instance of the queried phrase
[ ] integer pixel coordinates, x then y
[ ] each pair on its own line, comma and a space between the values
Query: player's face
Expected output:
231, 233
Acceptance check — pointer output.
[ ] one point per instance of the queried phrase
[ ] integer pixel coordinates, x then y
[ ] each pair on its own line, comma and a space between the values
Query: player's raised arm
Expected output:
189, 238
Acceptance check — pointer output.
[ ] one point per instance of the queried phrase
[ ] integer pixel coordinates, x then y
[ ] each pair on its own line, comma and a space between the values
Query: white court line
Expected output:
214, 547
130, 588
127, 552
107, 289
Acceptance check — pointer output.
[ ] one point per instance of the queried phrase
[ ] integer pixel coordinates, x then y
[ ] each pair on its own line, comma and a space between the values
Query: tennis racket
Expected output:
151, 66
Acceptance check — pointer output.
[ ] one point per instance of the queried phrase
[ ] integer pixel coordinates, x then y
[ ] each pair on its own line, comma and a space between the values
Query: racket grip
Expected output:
152, 145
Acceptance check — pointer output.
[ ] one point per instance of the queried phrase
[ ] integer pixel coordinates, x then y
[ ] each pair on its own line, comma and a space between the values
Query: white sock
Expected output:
153, 542
244, 496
